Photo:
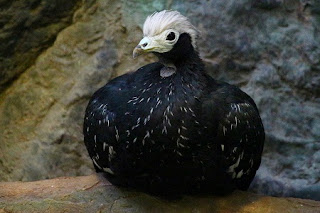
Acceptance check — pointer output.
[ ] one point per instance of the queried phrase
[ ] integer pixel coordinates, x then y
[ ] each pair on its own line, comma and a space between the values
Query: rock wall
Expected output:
270, 48
26, 29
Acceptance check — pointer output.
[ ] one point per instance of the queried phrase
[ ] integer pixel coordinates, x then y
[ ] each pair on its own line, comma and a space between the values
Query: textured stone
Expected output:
26, 29
95, 194
270, 48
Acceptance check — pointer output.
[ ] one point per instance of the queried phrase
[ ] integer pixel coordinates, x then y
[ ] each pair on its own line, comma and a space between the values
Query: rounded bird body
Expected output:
170, 127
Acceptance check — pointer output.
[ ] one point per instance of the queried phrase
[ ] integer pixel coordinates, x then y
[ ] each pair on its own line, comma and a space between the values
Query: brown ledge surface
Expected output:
94, 194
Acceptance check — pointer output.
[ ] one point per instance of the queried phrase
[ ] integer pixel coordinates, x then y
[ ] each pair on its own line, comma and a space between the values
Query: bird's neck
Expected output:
182, 56
189, 61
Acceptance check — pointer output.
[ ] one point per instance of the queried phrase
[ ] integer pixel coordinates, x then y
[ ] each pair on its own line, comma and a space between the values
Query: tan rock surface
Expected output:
94, 194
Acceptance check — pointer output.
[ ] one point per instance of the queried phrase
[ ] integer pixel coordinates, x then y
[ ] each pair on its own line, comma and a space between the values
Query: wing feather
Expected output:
239, 132
100, 134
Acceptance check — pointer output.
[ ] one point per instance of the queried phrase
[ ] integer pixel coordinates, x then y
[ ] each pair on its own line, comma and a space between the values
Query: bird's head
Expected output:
165, 31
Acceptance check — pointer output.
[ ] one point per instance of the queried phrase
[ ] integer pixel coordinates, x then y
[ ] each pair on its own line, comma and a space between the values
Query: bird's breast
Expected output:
162, 115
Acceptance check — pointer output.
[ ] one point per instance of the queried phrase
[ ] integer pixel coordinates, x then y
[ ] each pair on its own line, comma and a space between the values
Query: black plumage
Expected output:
182, 133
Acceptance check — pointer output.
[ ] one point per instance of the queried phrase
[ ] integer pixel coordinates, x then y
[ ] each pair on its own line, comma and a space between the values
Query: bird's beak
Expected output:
137, 51
144, 46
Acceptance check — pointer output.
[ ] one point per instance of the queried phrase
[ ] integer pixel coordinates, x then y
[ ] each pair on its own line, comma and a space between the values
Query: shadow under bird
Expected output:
169, 127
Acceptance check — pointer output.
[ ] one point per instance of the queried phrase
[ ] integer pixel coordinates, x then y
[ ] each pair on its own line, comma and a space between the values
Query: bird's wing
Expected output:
100, 133
104, 118
240, 134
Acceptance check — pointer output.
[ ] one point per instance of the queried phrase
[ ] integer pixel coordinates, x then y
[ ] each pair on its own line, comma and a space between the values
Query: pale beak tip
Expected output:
134, 55
137, 51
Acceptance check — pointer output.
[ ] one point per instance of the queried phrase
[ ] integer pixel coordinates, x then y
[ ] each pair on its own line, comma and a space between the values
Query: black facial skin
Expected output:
171, 36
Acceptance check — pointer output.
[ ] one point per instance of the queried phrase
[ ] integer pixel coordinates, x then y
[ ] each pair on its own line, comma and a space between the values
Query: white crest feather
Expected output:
164, 20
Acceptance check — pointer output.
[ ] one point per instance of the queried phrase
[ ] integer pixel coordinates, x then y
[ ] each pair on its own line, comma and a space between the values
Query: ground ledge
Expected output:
95, 194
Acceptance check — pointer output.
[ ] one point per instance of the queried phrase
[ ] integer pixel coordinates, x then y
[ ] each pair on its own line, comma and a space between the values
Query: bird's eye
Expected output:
171, 36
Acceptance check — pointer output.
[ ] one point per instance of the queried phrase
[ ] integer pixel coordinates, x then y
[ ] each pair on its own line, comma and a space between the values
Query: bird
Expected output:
169, 127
